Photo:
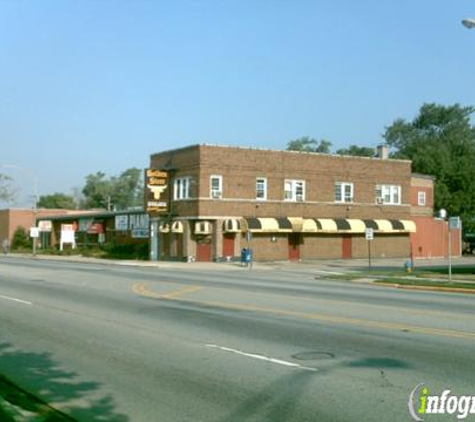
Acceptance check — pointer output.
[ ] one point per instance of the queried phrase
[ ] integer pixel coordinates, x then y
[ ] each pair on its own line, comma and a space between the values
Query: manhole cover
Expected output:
313, 355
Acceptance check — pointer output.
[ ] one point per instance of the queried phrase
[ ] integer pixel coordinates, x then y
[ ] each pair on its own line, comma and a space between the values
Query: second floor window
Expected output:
216, 187
388, 194
261, 188
294, 190
343, 192
181, 188
421, 198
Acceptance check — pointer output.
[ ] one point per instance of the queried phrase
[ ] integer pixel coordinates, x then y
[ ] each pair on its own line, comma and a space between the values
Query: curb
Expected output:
426, 288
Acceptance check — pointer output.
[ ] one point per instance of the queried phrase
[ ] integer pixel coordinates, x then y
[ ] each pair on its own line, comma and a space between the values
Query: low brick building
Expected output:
12, 218
287, 205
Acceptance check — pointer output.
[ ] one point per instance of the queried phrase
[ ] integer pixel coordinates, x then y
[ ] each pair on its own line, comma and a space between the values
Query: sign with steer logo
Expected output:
156, 191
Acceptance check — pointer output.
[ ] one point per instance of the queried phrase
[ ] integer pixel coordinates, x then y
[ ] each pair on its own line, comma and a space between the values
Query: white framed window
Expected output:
294, 190
344, 192
216, 186
181, 188
388, 194
421, 198
261, 188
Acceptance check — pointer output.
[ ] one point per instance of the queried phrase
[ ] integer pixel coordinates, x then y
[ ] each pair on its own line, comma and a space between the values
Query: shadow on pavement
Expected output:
278, 403
39, 372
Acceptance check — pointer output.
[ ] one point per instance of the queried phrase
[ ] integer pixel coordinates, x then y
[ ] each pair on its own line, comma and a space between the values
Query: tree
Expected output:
20, 239
57, 200
440, 141
6, 189
97, 191
118, 192
357, 151
306, 144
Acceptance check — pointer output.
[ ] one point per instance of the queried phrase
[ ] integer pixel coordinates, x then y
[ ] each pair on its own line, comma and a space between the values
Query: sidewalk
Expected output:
326, 264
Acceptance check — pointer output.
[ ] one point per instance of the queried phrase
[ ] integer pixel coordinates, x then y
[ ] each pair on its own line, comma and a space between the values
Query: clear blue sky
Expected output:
100, 85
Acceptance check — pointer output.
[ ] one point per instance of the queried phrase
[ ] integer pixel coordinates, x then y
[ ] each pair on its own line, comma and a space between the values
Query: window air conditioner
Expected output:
380, 200
216, 194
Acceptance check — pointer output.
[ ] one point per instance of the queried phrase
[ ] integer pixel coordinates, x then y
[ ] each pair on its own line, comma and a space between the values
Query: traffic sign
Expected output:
369, 233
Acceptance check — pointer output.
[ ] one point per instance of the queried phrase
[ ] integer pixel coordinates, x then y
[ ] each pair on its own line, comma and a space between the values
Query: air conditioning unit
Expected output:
380, 200
216, 194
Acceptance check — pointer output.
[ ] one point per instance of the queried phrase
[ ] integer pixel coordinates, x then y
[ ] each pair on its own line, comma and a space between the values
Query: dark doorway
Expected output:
294, 246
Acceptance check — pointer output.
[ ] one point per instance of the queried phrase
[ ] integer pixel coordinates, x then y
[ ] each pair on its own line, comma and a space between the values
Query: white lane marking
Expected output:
328, 272
14, 299
262, 357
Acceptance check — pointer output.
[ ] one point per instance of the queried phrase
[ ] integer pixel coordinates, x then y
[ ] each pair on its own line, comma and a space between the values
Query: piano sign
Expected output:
156, 191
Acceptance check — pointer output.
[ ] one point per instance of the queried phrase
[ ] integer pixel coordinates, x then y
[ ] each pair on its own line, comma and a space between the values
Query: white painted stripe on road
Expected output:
14, 299
262, 357
328, 272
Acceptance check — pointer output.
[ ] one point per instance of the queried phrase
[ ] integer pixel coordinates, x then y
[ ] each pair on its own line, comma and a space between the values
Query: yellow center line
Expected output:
141, 288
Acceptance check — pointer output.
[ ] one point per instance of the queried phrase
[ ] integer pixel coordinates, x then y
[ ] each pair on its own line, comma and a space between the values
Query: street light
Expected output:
468, 23
35, 192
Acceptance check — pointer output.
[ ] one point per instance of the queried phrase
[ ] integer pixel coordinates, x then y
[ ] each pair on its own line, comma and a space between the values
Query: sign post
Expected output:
369, 235
454, 224
157, 198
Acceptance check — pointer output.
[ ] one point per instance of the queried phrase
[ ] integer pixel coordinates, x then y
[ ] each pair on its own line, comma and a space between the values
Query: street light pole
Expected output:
35, 193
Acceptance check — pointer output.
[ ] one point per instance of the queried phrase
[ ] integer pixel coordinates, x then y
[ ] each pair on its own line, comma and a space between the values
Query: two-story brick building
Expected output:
287, 204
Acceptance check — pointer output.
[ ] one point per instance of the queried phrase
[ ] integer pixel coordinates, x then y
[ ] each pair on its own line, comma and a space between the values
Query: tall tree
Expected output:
6, 189
117, 192
307, 144
58, 201
440, 141
357, 151
98, 191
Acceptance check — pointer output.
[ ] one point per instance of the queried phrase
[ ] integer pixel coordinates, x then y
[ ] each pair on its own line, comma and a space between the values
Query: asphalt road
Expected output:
112, 343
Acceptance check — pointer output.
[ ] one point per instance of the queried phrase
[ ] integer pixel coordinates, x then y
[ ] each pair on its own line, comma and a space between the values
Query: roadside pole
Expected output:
369, 235
454, 223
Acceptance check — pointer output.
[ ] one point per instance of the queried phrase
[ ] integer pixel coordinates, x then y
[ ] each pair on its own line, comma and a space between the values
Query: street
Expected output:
123, 343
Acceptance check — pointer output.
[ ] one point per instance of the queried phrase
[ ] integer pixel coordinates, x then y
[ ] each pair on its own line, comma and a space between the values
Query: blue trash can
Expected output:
246, 256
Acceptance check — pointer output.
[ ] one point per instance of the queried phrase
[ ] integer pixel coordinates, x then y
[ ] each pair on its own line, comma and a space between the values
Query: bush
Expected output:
127, 251
21, 240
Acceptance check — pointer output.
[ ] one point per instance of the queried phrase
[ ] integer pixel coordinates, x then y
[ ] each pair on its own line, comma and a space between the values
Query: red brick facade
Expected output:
377, 188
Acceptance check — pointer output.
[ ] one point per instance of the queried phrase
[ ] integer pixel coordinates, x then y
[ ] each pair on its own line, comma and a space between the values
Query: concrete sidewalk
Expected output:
325, 264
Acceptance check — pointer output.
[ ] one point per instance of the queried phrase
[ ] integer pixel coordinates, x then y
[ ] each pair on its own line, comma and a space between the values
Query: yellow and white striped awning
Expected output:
351, 225
325, 225
231, 225
177, 227
203, 228
272, 225
164, 228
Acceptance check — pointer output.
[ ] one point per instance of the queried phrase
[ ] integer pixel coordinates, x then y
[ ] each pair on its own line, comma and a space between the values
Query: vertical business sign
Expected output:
156, 191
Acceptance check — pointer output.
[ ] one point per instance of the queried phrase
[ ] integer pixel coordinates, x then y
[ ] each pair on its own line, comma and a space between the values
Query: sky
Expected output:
89, 86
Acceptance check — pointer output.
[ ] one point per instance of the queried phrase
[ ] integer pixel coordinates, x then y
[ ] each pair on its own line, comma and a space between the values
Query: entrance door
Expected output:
203, 251
179, 245
346, 246
228, 244
294, 246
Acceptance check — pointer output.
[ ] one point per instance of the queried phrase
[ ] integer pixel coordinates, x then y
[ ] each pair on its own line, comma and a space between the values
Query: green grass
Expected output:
426, 283
463, 277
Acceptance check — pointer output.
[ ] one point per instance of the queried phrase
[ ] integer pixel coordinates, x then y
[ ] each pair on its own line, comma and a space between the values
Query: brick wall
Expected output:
239, 168
382, 246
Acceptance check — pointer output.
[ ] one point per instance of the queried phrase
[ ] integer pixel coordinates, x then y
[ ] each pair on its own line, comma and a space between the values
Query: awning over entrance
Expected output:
349, 225
203, 228
231, 225
325, 225
177, 227
271, 225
